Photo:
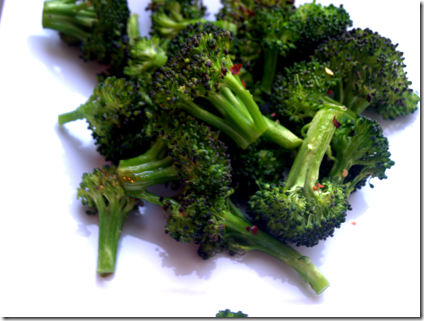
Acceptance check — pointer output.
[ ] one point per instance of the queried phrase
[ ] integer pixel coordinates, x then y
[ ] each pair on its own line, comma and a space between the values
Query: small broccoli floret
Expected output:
370, 73
279, 31
102, 191
261, 162
169, 17
302, 91
187, 151
228, 314
145, 54
306, 209
203, 68
360, 143
97, 26
116, 113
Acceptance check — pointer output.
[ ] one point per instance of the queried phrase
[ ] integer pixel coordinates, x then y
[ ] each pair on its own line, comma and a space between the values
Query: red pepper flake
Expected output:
315, 188
250, 12
248, 228
320, 186
273, 114
329, 92
353, 223
235, 70
244, 84
254, 230
336, 122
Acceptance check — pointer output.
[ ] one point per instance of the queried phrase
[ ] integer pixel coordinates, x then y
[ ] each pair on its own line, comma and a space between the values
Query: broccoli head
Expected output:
370, 73
117, 115
98, 27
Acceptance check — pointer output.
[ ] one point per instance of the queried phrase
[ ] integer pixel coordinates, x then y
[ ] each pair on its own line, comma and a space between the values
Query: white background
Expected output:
48, 244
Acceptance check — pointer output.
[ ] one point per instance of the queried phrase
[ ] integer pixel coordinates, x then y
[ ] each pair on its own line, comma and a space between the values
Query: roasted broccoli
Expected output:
278, 30
117, 115
360, 144
305, 208
186, 151
98, 27
203, 68
370, 73
169, 17
102, 191
228, 314
145, 54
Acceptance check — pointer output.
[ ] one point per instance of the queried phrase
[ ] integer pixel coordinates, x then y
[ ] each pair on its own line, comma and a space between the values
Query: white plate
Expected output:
49, 245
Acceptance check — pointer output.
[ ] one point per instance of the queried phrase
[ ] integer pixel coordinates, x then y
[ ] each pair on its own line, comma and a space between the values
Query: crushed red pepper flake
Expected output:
235, 70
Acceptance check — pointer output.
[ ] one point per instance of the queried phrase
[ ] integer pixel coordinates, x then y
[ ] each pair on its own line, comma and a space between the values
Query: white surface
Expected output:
48, 244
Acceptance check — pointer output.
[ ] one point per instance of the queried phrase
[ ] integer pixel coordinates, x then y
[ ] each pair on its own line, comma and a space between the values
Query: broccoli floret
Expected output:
203, 68
117, 115
186, 151
301, 91
279, 31
360, 143
260, 162
102, 191
370, 73
146, 54
169, 17
228, 314
305, 209
97, 26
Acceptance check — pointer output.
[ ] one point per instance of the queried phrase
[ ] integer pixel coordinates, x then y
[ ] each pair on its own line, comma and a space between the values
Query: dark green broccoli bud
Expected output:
102, 191
228, 314
370, 73
98, 26
302, 91
169, 17
145, 54
360, 143
280, 31
117, 116
187, 151
306, 209
203, 68
261, 162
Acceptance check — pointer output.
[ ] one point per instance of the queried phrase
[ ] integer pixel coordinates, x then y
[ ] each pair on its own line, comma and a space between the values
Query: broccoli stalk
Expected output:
305, 209
203, 68
102, 190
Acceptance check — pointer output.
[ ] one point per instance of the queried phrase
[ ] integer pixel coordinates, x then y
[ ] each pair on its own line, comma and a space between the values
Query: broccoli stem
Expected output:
280, 135
110, 226
246, 97
264, 242
305, 169
221, 124
270, 67
71, 19
156, 152
71, 116
148, 174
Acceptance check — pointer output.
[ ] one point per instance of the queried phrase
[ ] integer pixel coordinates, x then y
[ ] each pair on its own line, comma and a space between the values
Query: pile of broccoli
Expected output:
265, 104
